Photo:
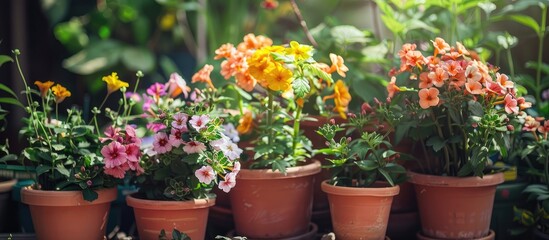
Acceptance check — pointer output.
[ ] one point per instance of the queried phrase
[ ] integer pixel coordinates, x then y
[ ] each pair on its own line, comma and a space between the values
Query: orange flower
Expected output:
269, 4
428, 97
438, 77
392, 88
233, 65
474, 87
503, 81
225, 51
337, 65
440, 46
252, 42
461, 49
113, 83
278, 78
245, 123
341, 97
424, 80
300, 102
203, 75
245, 81
43, 87
60, 93
530, 124
511, 105
413, 59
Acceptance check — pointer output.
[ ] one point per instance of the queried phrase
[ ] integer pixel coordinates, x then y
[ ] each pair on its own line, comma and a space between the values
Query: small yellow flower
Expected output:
60, 93
113, 83
300, 52
167, 21
43, 87
278, 78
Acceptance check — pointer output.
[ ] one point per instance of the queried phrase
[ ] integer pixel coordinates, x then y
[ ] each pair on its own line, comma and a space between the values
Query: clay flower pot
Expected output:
66, 215
455, 207
151, 216
271, 205
360, 213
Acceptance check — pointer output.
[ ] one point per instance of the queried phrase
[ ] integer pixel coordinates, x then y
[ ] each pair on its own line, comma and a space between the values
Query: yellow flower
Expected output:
300, 52
43, 87
341, 97
278, 78
60, 93
167, 21
113, 83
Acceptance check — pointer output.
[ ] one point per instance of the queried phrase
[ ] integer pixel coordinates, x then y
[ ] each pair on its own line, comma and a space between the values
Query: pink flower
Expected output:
118, 171
438, 77
131, 137
161, 143
177, 85
236, 167
511, 105
205, 174
228, 183
503, 81
136, 167
544, 128
148, 101
474, 87
156, 90
216, 144
472, 73
180, 121
133, 152
194, 147
155, 127
114, 154
231, 150
175, 137
530, 124
199, 122
111, 133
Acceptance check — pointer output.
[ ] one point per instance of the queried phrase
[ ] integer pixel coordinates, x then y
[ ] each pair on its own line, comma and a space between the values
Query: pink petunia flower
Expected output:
180, 121
194, 147
177, 85
131, 136
133, 152
231, 150
118, 171
175, 137
161, 143
228, 183
199, 122
155, 127
156, 90
114, 154
111, 133
205, 174
134, 166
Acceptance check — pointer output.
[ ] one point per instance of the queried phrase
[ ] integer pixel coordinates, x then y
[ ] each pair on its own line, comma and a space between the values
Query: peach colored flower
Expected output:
530, 124
458, 80
424, 80
225, 51
245, 81
254, 42
415, 59
440, 46
338, 65
245, 123
453, 68
461, 49
503, 81
523, 104
203, 75
474, 87
428, 97
472, 73
177, 85
511, 105
43, 87
438, 77
392, 88
545, 128
233, 65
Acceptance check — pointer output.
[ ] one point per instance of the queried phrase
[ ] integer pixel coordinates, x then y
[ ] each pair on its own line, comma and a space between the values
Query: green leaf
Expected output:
12, 101
436, 143
345, 34
61, 169
279, 57
526, 21
9, 157
97, 56
318, 73
387, 176
367, 165
475, 108
89, 195
5, 59
301, 87
41, 169
8, 90
138, 59
243, 93
58, 147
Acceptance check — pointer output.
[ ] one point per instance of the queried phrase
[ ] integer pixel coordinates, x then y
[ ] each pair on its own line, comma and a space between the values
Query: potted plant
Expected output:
364, 178
278, 177
458, 111
74, 184
189, 156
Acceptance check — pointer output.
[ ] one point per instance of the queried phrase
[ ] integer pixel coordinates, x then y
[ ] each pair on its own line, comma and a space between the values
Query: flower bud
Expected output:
139, 74
332, 121
510, 127
82, 169
16, 52
89, 183
351, 115
474, 125
327, 143
349, 139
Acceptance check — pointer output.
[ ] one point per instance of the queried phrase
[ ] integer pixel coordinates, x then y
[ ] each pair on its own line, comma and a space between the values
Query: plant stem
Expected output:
27, 92
446, 152
511, 65
240, 104
303, 23
297, 121
270, 110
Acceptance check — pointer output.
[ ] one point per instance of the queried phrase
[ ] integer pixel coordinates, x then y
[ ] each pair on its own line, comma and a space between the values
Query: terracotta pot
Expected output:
491, 236
455, 207
360, 213
151, 216
274, 205
63, 215
309, 235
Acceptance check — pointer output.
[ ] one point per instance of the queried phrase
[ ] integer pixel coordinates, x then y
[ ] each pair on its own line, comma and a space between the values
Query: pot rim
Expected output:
313, 167
6, 186
448, 181
65, 198
169, 205
491, 235
356, 191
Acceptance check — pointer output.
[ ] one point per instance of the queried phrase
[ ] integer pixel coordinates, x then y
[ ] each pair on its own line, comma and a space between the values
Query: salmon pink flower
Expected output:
511, 104
424, 80
474, 87
428, 97
545, 128
133, 152
440, 46
530, 124
203, 75
225, 51
392, 88
117, 171
228, 183
338, 65
114, 154
472, 73
438, 77
503, 81
180, 121
194, 147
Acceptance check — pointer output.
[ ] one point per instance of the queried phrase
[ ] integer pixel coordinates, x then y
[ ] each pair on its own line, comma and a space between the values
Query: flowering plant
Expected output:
536, 154
361, 161
68, 153
190, 153
456, 106
283, 78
